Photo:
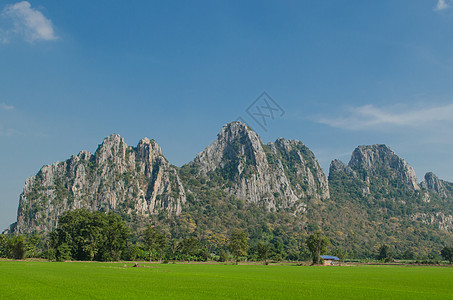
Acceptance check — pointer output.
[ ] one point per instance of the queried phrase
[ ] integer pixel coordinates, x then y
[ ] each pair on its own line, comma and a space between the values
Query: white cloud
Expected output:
369, 117
443, 4
4, 106
7, 132
27, 22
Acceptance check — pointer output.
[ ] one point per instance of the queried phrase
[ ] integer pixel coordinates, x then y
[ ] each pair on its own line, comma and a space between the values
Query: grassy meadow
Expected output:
52, 280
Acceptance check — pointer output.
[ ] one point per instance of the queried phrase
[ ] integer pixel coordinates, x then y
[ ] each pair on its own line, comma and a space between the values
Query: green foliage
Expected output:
369, 208
21, 246
341, 253
317, 244
447, 254
116, 236
84, 235
222, 256
189, 248
408, 254
3, 245
63, 252
238, 244
213, 212
17, 247
32, 245
134, 252
155, 242
264, 250
384, 253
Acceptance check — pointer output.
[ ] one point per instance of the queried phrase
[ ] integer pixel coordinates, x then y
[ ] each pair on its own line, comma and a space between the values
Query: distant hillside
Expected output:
276, 192
376, 199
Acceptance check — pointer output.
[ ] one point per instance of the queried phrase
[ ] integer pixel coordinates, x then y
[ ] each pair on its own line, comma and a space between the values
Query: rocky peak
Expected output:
376, 158
337, 166
117, 178
433, 183
368, 157
235, 140
84, 155
287, 144
147, 148
284, 174
301, 168
112, 148
291, 145
149, 151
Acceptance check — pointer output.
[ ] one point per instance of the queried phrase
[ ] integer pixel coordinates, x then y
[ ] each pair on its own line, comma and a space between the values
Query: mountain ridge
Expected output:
237, 179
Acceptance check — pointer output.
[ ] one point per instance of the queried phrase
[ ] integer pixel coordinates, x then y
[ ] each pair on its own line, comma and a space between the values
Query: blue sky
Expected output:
346, 73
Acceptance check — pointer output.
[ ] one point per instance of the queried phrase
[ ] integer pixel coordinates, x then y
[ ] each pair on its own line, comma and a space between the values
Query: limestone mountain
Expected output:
377, 170
239, 182
127, 180
141, 182
280, 175
379, 200
438, 195
276, 191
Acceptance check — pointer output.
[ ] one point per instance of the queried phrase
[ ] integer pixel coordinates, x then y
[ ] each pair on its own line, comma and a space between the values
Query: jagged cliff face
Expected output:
438, 187
439, 197
379, 160
116, 178
376, 199
374, 171
141, 182
239, 181
280, 175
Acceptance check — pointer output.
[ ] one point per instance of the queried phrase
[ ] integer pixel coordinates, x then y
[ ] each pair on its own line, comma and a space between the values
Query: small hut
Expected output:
330, 260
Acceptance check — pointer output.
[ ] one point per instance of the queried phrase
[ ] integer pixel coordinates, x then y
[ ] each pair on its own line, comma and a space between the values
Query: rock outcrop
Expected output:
238, 181
281, 175
439, 219
141, 182
435, 185
374, 171
379, 160
116, 178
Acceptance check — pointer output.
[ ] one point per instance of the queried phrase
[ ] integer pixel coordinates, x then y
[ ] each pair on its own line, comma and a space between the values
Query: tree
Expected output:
80, 231
341, 253
222, 256
3, 245
16, 247
32, 245
85, 235
317, 244
238, 244
447, 254
63, 252
384, 253
189, 247
132, 253
263, 251
155, 242
117, 234
408, 254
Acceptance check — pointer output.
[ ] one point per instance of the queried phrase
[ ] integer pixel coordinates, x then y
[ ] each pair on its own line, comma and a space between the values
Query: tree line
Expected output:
97, 236
87, 236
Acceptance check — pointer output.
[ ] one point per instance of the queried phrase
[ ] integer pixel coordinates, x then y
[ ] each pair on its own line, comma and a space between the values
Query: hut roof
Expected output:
329, 257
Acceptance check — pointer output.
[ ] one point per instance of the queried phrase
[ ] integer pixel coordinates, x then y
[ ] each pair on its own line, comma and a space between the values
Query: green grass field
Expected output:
44, 280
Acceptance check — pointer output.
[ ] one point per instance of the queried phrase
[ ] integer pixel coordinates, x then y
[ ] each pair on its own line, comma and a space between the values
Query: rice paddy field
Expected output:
83, 280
